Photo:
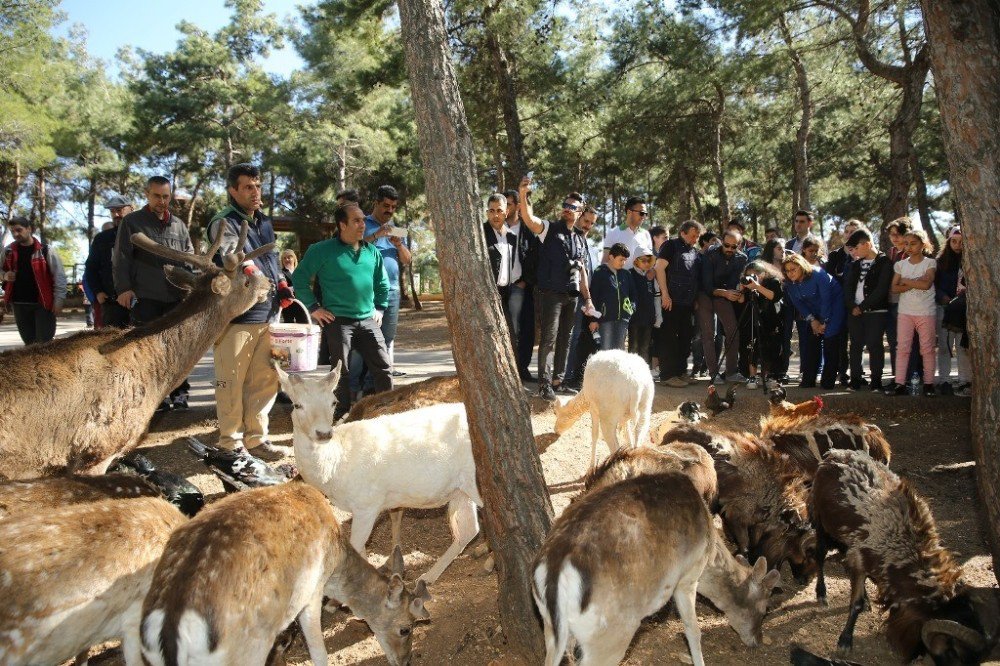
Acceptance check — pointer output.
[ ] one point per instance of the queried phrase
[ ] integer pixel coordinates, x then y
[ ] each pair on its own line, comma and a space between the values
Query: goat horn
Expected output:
146, 243
967, 635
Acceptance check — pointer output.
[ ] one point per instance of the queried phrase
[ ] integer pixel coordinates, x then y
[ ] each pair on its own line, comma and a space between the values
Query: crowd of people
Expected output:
702, 304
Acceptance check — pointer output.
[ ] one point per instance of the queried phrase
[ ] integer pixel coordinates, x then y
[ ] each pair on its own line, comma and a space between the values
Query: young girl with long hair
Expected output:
914, 282
946, 289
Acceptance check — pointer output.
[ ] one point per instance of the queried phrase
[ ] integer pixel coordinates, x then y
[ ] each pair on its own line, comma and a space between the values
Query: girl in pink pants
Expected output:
914, 282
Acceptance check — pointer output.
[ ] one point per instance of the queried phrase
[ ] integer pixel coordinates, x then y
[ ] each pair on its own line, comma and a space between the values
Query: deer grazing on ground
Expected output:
30, 497
74, 404
730, 583
237, 574
618, 392
887, 533
74, 576
617, 555
420, 459
432, 391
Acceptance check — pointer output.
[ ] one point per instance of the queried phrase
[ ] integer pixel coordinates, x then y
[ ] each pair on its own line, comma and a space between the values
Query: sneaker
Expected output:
164, 406
266, 450
875, 387
896, 389
929, 390
565, 389
545, 392
945, 388
963, 390
736, 378
398, 373
180, 402
676, 382
752, 384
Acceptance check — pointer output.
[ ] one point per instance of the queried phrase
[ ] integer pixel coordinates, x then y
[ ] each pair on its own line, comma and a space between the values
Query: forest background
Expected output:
714, 110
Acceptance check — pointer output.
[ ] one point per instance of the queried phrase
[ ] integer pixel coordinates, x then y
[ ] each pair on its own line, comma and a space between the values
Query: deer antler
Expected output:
263, 249
204, 262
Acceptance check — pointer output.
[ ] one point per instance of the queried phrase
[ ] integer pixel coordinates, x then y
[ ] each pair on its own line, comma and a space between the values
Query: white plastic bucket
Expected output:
296, 346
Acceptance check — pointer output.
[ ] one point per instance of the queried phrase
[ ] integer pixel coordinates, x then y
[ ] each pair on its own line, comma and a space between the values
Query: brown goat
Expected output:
762, 497
688, 459
806, 439
29, 497
433, 391
887, 533
74, 404
245, 567
75, 576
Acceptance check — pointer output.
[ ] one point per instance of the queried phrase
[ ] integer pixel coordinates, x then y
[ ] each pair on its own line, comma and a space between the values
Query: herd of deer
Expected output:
87, 557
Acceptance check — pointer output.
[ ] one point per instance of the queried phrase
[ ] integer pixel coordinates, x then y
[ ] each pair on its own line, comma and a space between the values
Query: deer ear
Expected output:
180, 278
332, 378
395, 593
771, 580
742, 560
420, 590
283, 377
222, 285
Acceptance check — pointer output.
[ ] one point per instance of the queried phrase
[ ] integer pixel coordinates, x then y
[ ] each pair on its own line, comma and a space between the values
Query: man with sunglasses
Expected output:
633, 236
721, 268
561, 278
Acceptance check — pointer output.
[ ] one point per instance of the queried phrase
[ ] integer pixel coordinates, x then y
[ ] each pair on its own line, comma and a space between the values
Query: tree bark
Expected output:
923, 202
718, 112
517, 511
964, 38
42, 204
517, 162
91, 205
800, 179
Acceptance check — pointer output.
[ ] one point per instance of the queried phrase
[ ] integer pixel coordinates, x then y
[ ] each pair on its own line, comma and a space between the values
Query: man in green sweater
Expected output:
355, 292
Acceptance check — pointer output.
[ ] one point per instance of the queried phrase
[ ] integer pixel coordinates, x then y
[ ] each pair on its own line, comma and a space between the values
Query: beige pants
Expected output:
245, 384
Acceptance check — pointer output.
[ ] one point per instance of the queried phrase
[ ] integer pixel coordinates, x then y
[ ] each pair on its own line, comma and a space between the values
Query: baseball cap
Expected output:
117, 201
643, 252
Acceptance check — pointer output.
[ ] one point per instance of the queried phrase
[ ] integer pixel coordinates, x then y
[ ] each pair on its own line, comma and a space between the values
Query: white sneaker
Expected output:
736, 378
752, 384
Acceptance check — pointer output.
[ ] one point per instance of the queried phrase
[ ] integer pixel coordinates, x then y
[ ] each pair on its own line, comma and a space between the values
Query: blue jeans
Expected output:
360, 377
613, 334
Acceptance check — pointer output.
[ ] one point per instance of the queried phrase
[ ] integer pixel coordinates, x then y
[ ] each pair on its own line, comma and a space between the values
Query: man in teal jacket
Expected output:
355, 292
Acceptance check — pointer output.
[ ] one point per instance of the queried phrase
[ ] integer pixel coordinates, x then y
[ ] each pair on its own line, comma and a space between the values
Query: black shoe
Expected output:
844, 382
807, 385
565, 389
526, 376
875, 387
545, 392
398, 373
929, 390
854, 386
896, 389
164, 406
180, 402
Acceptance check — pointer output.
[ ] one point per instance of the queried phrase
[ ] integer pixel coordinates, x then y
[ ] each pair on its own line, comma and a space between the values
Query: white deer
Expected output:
421, 459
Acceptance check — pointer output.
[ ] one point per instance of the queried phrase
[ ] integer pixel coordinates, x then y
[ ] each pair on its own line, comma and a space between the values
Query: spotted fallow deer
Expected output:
74, 404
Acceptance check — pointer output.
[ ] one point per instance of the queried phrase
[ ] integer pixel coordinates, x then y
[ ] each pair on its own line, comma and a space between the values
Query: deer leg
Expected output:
609, 647
83, 658
821, 550
684, 597
859, 600
362, 524
609, 427
595, 434
464, 527
312, 629
131, 642
396, 517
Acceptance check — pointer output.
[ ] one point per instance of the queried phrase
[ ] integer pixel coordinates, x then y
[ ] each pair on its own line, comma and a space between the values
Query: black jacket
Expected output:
717, 272
528, 250
99, 273
494, 252
838, 264
877, 284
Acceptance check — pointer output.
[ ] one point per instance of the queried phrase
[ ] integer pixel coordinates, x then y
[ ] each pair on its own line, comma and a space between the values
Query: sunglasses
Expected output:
569, 205
642, 213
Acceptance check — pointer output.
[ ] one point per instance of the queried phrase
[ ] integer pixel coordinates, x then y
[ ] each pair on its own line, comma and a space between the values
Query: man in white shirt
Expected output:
633, 236
500, 247
522, 286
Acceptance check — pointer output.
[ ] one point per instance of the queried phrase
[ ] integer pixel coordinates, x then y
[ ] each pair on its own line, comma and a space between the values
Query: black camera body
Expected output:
748, 279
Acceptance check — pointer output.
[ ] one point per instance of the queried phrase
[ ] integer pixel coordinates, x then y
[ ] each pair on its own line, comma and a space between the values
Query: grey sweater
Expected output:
140, 271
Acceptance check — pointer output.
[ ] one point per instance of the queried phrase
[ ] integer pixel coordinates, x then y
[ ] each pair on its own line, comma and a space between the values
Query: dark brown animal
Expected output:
433, 391
74, 404
763, 499
805, 439
887, 533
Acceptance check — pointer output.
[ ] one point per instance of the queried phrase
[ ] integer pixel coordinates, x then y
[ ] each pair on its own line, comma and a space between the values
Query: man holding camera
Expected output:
561, 279
721, 268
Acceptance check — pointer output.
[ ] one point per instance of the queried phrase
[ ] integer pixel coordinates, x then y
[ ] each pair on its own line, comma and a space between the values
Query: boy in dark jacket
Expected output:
640, 326
866, 298
614, 297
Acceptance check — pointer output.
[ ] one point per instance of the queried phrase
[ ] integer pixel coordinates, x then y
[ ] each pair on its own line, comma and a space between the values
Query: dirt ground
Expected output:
465, 626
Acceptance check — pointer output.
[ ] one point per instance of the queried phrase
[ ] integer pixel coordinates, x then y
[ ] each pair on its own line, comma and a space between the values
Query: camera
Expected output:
748, 279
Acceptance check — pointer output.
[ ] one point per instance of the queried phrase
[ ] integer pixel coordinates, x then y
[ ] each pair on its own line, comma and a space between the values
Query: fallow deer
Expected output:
74, 404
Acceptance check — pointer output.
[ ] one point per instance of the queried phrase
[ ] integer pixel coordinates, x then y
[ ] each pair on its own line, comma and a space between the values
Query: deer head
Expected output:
393, 616
751, 597
240, 290
314, 402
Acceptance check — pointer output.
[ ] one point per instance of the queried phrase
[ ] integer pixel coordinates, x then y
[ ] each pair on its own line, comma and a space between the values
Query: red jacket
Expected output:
43, 271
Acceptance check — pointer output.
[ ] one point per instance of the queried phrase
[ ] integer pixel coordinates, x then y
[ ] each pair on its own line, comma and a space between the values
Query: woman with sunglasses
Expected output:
819, 300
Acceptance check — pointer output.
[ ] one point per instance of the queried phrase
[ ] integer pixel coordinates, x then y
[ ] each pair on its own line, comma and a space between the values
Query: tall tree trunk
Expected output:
41, 201
503, 69
718, 112
270, 203
194, 197
800, 179
699, 210
91, 205
901, 129
923, 203
342, 167
964, 40
683, 194
517, 511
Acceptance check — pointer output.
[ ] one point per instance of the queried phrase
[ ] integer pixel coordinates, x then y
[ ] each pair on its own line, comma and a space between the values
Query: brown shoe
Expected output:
676, 382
